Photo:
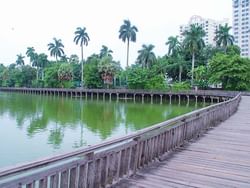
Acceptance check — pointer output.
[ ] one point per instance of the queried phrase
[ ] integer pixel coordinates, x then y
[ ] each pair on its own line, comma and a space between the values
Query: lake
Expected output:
36, 126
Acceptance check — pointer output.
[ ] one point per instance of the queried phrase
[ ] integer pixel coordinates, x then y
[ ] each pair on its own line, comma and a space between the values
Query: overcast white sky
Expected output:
34, 23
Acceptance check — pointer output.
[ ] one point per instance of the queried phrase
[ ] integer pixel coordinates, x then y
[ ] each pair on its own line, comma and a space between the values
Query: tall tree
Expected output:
33, 59
105, 51
81, 37
56, 48
127, 33
42, 62
174, 46
230, 70
146, 56
92, 78
223, 38
20, 59
175, 52
30, 53
193, 42
107, 69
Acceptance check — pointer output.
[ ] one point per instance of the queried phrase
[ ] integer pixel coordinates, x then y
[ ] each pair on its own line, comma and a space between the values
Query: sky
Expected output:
34, 23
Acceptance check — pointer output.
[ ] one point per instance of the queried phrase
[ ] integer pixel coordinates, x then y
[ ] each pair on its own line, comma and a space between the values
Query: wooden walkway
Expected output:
220, 158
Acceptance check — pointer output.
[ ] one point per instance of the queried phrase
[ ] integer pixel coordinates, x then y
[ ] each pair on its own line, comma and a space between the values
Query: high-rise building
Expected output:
210, 27
241, 21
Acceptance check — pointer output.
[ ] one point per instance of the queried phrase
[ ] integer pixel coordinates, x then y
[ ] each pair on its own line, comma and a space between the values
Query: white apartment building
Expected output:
210, 27
241, 23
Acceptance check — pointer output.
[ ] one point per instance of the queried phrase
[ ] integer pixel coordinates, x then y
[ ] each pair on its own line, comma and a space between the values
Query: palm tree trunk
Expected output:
127, 52
193, 59
37, 73
82, 66
82, 74
42, 74
82, 52
225, 48
180, 72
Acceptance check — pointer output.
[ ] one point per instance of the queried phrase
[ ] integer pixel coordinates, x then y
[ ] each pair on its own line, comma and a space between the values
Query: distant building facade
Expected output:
241, 26
210, 27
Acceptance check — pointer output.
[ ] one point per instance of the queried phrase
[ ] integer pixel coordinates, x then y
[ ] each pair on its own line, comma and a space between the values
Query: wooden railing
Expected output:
129, 91
105, 164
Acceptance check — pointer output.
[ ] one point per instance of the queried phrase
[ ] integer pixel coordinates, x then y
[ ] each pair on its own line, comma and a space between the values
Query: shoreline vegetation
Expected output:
188, 64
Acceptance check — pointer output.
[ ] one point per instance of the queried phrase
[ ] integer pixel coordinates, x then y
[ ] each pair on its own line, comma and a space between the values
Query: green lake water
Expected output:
33, 126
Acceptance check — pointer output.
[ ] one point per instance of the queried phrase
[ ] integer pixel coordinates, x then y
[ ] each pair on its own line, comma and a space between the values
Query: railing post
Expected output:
137, 151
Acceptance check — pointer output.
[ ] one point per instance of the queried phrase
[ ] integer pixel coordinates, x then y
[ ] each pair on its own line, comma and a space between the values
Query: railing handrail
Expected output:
107, 143
218, 93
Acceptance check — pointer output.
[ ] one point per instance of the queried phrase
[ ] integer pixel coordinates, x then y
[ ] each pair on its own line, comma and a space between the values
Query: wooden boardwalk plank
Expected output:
221, 158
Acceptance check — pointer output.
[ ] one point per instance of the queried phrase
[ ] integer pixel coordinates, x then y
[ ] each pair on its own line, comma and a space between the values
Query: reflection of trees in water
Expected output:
147, 114
82, 142
98, 117
39, 111
19, 106
37, 124
56, 136
151, 114
42, 112
101, 118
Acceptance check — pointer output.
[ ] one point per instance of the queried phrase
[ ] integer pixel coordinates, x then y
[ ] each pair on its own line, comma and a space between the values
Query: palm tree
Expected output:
30, 53
108, 68
33, 58
105, 52
146, 56
20, 59
42, 61
127, 33
193, 42
175, 52
81, 36
223, 38
174, 46
56, 48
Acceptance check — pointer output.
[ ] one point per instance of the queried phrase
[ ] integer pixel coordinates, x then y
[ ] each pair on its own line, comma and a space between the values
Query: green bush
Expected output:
91, 76
51, 76
156, 83
141, 78
181, 86
201, 77
230, 70
67, 84
37, 83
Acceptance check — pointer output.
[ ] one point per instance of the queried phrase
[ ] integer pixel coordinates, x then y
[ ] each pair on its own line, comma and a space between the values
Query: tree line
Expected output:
187, 63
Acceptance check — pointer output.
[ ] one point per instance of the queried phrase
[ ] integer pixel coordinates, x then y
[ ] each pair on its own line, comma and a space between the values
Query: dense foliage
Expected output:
185, 65
141, 78
232, 71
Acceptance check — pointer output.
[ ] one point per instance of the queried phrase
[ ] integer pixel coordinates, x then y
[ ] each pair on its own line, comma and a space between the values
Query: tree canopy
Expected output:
193, 42
56, 48
232, 71
146, 56
184, 64
223, 38
127, 32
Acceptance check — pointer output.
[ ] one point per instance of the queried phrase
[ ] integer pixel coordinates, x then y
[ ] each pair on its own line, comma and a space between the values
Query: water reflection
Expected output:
59, 124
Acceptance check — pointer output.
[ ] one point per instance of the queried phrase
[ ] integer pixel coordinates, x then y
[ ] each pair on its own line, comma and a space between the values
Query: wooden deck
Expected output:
220, 158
